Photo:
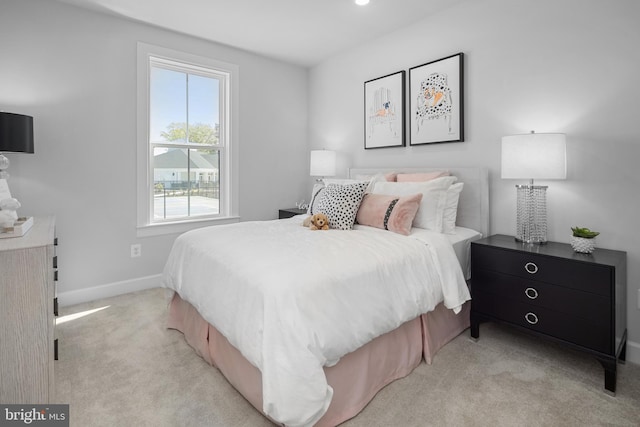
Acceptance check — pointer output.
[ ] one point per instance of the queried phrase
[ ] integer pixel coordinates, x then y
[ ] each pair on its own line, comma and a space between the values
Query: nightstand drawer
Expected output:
573, 274
593, 335
553, 297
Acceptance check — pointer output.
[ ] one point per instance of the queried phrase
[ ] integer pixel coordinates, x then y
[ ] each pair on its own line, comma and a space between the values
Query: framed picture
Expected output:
384, 111
436, 101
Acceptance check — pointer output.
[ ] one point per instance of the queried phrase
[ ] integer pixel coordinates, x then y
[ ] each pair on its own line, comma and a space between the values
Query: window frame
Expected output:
228, 212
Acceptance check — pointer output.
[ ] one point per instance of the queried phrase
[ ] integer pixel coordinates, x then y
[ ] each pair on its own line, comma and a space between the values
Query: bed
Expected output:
309, 326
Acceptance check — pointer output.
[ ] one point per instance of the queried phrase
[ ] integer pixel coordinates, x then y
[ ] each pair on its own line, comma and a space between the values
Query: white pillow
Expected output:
342, 181
316, 194
434, 198
451, 208
369, 179
374, 180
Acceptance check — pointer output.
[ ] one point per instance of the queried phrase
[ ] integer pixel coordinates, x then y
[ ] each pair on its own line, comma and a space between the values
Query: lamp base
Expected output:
531, 242
531, 218
4, 164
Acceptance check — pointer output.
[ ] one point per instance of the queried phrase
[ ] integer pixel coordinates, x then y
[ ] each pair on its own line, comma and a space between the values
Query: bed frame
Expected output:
359, 375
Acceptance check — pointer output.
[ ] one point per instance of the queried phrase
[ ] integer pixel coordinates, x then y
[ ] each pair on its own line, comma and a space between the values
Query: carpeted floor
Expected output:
119, 366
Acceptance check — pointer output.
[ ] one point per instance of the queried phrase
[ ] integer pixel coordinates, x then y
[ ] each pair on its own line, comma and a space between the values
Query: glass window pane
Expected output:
170, 183
205, 179
204, 115
167, 105
186, 183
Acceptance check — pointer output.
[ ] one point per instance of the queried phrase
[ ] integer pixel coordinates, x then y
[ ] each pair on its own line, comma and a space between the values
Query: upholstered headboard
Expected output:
473, 207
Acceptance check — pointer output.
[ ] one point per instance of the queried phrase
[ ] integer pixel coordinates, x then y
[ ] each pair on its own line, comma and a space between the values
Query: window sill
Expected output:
179, 227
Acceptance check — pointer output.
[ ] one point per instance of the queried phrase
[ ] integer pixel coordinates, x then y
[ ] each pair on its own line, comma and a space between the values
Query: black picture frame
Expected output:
384, 111
436, 101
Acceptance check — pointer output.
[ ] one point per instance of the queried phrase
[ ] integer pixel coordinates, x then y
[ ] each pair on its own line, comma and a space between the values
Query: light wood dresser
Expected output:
28, 271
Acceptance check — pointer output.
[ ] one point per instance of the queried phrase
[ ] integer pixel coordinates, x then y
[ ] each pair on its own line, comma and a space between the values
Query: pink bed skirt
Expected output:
355, 379
441, 326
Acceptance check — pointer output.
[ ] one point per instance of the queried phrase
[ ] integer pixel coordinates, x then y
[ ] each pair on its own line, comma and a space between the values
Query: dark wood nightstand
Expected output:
553, 292
288, 213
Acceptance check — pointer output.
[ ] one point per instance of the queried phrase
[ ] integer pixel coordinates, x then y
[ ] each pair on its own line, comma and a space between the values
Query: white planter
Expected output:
582, 245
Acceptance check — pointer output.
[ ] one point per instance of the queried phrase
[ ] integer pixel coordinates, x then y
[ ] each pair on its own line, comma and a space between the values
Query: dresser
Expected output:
28, 271
549, 290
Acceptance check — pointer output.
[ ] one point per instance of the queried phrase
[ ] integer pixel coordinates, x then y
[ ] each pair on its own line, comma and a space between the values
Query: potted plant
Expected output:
583, 240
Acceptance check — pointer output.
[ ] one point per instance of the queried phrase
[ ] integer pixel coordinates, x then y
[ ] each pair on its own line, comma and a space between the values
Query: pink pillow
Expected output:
391, 213
420, 177
391, 176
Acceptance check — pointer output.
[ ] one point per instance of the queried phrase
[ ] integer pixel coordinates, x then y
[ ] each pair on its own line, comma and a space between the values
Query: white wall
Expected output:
75, 72
566, 66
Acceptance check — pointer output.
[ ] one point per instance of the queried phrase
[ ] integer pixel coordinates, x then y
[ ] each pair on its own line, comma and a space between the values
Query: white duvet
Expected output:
294, 300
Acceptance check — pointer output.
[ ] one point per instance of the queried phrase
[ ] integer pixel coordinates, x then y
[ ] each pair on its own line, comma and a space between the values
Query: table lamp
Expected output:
322, 163
533, 156
16, 135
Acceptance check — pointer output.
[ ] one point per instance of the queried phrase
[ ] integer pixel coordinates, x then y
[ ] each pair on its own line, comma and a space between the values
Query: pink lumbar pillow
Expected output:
391, 213
420, 177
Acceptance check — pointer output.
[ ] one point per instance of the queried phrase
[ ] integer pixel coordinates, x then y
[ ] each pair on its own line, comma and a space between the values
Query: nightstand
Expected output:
551, 291
288, 213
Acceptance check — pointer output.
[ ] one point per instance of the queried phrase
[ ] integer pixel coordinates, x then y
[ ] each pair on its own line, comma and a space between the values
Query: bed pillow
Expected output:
434, 192
369, 179
451, 208
391, 213
340, 203
420, 177
316, 194
390, 176
343, 181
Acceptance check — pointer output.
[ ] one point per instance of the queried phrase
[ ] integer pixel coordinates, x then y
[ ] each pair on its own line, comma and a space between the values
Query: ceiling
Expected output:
303, 32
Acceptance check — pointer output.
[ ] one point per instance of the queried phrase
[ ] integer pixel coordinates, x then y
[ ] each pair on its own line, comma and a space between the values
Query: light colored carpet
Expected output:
120, 366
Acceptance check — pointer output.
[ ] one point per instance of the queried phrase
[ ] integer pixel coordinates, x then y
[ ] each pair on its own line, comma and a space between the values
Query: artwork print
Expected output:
436, 106
384, 111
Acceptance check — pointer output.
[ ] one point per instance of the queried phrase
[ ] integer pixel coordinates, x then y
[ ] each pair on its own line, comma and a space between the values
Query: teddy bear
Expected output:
317, 221
8, 215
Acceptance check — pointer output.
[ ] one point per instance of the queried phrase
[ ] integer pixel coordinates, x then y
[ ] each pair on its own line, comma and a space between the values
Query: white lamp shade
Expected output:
534, 156
323, 163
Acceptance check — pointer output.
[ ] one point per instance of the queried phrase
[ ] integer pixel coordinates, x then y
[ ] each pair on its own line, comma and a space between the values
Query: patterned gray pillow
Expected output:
340, 203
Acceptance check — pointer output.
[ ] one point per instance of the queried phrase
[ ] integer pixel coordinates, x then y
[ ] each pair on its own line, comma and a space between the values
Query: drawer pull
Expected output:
531, 268
531, 293
531, 318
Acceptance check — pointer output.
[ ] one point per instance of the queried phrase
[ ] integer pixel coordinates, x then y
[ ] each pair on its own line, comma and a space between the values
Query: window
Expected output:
185, 139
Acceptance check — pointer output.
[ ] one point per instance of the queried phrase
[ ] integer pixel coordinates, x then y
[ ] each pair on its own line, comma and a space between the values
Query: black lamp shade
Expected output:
16, 133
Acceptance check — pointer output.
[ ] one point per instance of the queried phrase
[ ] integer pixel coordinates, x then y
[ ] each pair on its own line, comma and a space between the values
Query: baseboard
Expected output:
108, 290
633, 352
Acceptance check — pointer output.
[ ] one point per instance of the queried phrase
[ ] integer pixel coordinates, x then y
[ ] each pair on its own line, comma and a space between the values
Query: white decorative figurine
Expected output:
8, 214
